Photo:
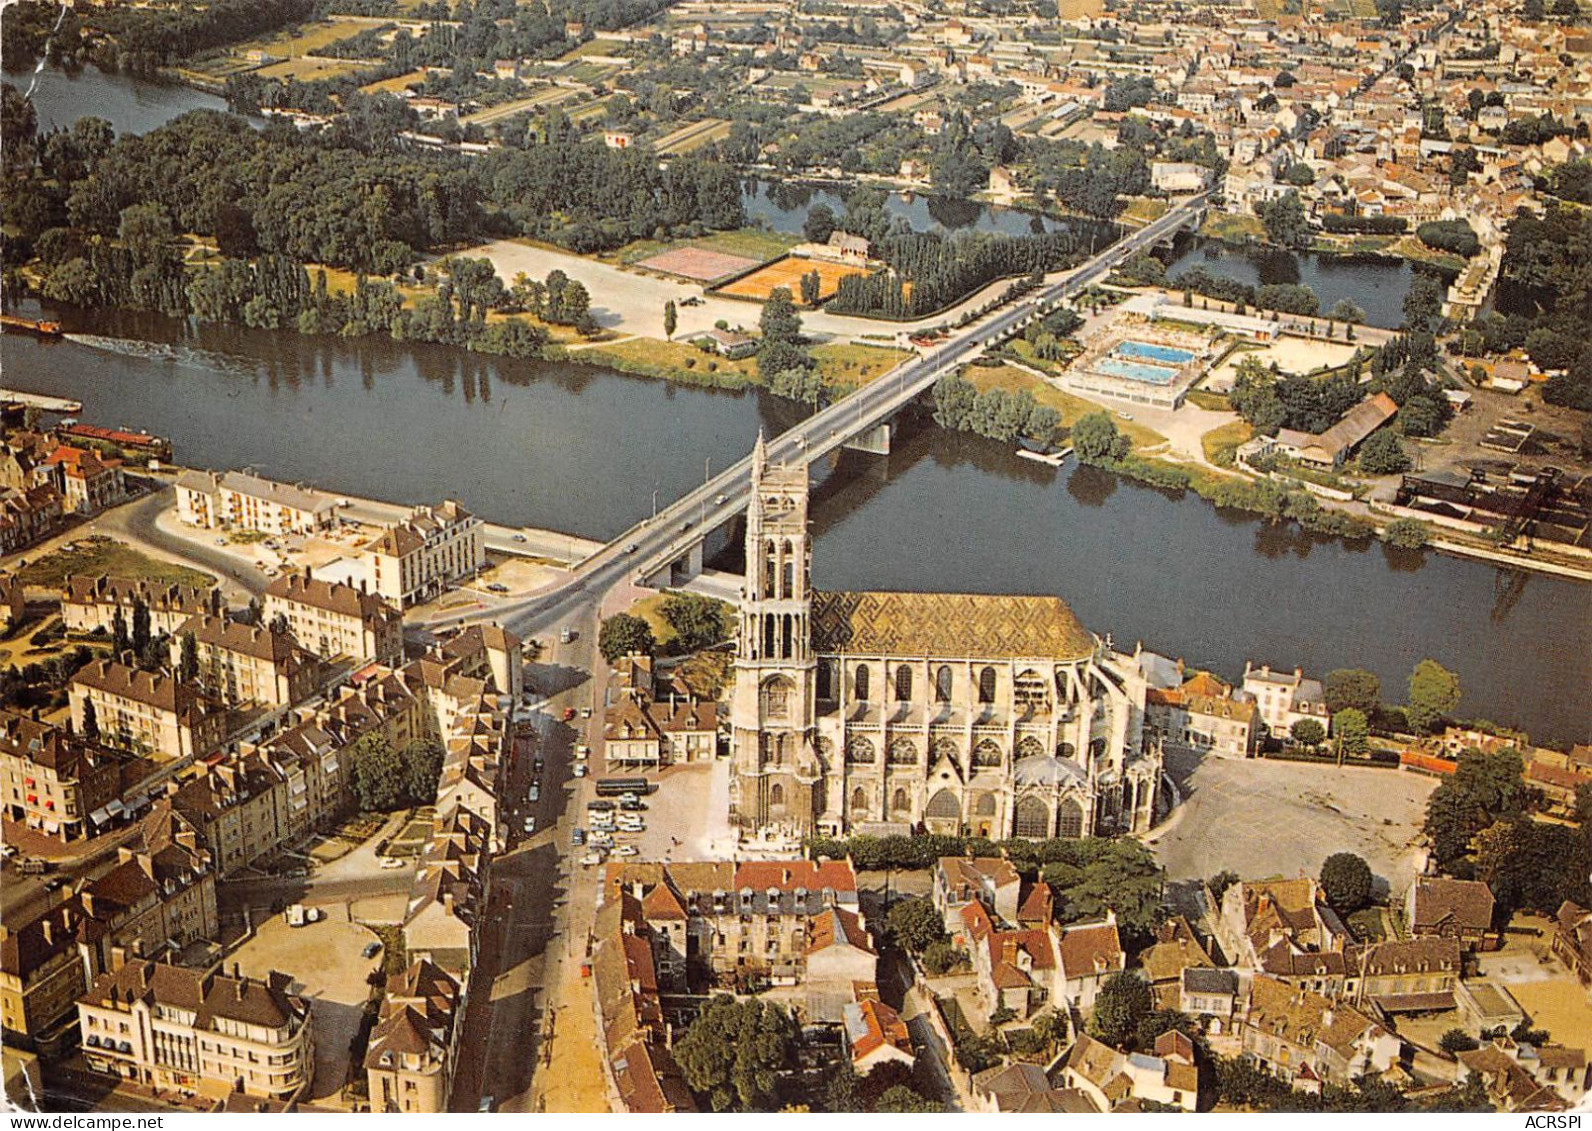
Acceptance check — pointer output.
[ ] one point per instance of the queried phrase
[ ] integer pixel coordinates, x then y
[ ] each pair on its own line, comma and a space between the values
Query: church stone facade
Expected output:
878, 712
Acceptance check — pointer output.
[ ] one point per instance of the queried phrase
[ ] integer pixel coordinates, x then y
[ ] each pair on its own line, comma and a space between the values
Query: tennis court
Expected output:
787, 273
697, 263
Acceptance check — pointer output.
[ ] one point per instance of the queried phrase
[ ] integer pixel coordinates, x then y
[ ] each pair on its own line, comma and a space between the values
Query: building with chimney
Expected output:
247, 663
52, 779
167, 1026
332, 619
414, 1047
151, 711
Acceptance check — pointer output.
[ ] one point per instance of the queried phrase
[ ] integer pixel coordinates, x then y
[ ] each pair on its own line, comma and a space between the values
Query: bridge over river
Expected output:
666, 549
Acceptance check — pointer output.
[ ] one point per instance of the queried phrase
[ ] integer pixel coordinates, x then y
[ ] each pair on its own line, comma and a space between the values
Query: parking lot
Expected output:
329, 968
686, 817
1263, 818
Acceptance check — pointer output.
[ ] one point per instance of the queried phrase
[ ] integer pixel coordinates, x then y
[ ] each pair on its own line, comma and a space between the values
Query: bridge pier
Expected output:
875, 441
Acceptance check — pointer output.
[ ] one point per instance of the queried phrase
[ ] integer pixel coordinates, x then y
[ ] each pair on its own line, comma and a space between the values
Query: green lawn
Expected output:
1072, 408
97, 556
1232, 228
1225, 439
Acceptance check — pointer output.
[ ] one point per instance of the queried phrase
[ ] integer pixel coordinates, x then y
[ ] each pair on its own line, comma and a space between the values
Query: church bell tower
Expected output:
774, 765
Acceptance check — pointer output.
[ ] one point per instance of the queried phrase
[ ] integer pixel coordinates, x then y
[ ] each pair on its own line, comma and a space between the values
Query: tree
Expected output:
1353, 687
1423, 304
422, 766
914, 924
140, 634
1096, 440
1434, 693
732, 1054
1308, 732
120, 641
188, 664
623, 634
1352, 731
820, 223
1284, 220
1382, 454
942, 957
698, 622
1123, 1002
91, 729
1407, 533
671, 319
378, 774
902, 1098
1220, 882
779, 321
1346, 882
1345, 310
1456, 1041
1485, 787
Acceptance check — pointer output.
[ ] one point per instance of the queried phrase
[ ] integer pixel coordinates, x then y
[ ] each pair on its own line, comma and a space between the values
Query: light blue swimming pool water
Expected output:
1151, 352
1135, 371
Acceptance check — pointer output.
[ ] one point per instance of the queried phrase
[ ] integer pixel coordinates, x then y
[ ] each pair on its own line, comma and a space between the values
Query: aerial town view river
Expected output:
526, 442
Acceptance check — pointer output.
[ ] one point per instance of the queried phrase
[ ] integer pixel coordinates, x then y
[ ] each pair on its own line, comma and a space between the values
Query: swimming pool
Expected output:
1150, 352
1135, 371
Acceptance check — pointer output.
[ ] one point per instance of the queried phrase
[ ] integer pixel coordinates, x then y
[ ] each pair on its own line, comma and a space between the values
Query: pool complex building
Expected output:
1150, 366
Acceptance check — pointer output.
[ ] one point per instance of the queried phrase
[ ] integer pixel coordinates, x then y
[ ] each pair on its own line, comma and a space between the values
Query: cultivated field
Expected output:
306, 39
787, 273
689, 138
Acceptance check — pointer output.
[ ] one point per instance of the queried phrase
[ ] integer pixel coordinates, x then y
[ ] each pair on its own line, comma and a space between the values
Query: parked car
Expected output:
629, 797
580, 769
391, 862
582, 752
627, 850
566, 635
372, 949
569, 713
530, 825
633, 806
485, 1104
593, 858
519, 537
585, 712
578, 837
497, 587
600, 840
535, 794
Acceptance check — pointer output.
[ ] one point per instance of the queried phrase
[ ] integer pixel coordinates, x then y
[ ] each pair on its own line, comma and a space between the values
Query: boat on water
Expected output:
39, 326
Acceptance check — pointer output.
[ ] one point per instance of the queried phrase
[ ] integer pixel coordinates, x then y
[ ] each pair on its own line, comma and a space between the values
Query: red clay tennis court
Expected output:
697, 263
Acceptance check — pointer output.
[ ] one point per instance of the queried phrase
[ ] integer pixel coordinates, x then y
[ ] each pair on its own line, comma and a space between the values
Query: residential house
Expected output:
1517, 1079
990, 880
727, 343
245, 663
776, 922
239, 807
1016, 969
1111, 1078
1572, 939
89, 482
641, 731
1334, 446
1267, 921
52, 779
1284, 698
1309, 1040
447, 902
41, 974
1449, 908
874, 1035
414, 1047
332, 619
90, 604
1411, 975
242, 501
27, 515
1086, 955
139, 709
1026, 1089
418, 558
1209, 992
169, 1026
1175, 950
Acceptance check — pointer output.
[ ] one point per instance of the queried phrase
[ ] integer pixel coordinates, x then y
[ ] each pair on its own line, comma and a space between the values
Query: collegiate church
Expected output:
874, 712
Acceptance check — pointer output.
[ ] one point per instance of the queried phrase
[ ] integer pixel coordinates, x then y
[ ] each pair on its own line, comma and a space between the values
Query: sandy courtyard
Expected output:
1262, 818
1548, 992
1292, 355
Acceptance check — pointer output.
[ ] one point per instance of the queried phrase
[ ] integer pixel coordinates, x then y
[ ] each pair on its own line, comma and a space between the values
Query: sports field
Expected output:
697, 263
788, 273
